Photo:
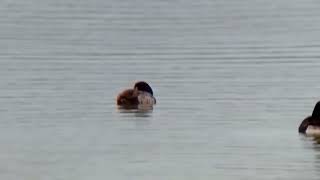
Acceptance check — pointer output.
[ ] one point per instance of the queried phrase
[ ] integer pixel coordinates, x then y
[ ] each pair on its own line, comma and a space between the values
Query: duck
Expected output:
311, 124
140, 95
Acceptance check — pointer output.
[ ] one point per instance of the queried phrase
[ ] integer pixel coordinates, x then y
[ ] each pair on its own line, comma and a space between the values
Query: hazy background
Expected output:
233, 80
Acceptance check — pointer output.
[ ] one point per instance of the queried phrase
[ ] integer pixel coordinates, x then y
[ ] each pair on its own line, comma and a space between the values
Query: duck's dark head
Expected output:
143, 86
316, 110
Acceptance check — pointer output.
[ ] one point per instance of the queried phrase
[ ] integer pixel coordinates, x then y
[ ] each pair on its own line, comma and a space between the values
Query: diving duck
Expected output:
141, 94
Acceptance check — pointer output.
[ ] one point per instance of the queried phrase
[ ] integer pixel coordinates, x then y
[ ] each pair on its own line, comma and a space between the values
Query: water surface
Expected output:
232, 79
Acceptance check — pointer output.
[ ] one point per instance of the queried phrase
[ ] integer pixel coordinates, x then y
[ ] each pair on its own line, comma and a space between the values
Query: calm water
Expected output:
233, 80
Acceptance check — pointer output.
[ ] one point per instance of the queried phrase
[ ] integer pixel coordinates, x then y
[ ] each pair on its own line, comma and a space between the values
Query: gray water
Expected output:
233, 80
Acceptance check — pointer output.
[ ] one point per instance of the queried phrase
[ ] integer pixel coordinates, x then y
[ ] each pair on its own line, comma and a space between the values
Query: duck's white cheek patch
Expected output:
312, 130
146, 99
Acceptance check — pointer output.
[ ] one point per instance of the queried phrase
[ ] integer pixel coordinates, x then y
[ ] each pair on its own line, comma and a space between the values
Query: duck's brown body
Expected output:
128, 97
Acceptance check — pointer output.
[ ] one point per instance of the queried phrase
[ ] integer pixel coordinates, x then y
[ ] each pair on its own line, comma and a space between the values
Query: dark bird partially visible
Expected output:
311, 124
